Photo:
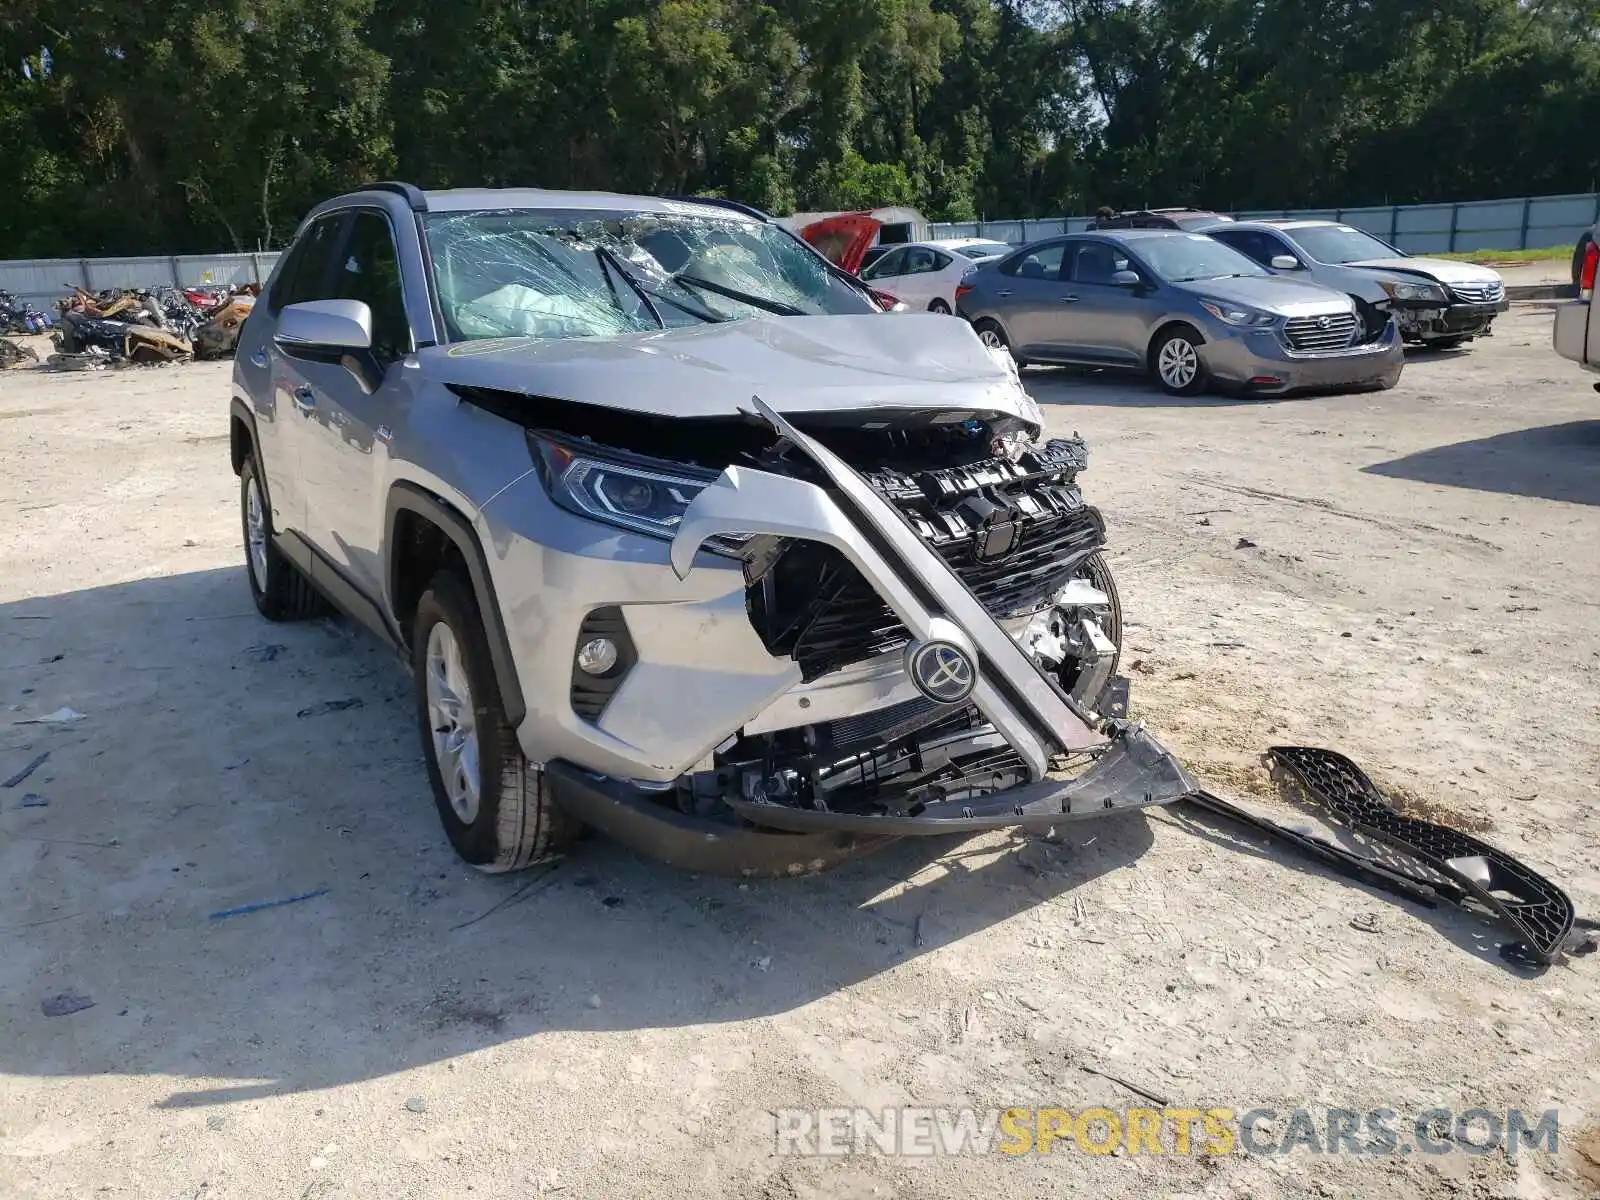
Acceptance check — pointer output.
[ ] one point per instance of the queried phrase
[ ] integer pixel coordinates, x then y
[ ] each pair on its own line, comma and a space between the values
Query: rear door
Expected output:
1102, 321
1030, 299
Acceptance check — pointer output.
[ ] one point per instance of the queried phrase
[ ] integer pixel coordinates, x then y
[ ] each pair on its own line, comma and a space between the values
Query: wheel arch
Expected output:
241, 433
423, 532
1165, 327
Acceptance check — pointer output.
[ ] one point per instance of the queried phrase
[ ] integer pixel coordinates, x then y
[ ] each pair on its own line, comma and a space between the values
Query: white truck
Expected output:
1577, 333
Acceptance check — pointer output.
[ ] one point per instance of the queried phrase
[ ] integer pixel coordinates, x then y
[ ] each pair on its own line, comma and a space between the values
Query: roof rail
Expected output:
413, 194
719, 202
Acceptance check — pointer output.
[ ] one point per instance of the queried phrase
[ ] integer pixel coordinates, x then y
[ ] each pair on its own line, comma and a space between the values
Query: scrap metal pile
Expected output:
148, 326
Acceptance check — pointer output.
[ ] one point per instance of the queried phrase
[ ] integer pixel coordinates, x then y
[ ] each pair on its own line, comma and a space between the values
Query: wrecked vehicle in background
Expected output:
18, 316
149, 325
681, 538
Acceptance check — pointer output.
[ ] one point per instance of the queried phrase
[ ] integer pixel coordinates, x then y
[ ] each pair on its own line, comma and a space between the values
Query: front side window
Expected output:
370, 272
1096, 262
891, 263
305, 272
571, 274
1252, 243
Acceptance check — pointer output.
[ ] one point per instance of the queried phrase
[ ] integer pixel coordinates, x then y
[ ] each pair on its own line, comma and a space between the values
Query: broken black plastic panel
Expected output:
1527, 903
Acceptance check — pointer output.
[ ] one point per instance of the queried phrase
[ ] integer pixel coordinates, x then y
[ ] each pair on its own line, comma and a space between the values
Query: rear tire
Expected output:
938, 306
280, 591
1175, 361
496, 807
993, 336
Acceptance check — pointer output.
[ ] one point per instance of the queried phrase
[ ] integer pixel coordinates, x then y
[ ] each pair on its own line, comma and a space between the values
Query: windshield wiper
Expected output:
646, 294
771, 306
608, 258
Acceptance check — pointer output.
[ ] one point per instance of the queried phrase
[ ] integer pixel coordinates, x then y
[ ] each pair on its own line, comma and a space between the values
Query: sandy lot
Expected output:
1421, 589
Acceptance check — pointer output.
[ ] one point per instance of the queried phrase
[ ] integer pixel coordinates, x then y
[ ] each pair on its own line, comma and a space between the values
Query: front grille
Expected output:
1487, 294
815, 606
1332, 332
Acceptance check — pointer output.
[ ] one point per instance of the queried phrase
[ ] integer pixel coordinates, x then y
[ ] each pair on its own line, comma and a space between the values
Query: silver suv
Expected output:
681, 536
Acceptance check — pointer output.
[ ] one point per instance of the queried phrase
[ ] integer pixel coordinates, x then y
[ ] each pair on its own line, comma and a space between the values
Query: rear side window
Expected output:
369, 271
305, 274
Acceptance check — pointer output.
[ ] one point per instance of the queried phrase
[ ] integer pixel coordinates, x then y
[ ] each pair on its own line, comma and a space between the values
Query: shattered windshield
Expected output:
574, 274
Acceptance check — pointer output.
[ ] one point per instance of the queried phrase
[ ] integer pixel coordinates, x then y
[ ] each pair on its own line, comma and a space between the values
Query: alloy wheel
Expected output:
255, 522
1178, 363
452, 720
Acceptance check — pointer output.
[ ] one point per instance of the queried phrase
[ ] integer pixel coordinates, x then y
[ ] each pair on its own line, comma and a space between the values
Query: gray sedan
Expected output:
1182, 306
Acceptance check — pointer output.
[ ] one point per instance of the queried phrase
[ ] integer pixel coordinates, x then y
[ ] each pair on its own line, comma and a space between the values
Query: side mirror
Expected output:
325, 325
1284, 262
1127, 279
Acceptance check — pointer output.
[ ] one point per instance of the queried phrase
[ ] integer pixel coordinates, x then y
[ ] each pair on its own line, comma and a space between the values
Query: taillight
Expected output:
961, 290
887, 302
1591, 260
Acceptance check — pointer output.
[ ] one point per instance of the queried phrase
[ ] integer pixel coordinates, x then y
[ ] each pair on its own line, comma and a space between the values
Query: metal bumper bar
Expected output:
1035, 718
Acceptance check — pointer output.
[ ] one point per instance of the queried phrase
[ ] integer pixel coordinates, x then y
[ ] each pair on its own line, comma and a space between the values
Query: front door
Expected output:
1107, 321
276, 381
353, 407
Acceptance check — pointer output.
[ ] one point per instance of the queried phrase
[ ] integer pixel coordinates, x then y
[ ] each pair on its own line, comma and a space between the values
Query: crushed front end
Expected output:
936, 582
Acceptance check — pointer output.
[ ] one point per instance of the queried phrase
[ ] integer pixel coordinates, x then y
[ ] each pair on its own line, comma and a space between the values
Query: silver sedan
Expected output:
1182, 306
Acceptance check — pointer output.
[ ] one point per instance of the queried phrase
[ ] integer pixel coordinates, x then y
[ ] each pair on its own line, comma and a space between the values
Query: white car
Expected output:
924, 275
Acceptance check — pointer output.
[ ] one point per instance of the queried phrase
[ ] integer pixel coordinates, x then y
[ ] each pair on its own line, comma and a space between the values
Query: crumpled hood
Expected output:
1274, 293
796, 364
1442, 269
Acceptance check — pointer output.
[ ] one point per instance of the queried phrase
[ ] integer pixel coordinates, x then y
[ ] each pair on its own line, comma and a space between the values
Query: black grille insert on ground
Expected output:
591, 693
1529, 904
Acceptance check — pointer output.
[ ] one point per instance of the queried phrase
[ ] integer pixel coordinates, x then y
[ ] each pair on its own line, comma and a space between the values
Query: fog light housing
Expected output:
602, 656
597, 656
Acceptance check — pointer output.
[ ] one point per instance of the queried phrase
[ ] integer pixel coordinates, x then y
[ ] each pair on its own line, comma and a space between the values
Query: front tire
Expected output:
1444, 343
1176, 363
495, 807
280, 591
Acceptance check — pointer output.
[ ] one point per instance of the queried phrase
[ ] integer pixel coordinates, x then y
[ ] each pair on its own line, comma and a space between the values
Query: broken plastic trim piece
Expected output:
1527, 903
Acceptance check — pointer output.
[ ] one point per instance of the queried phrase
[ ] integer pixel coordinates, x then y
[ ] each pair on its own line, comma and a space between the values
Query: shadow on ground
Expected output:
223, 761
1553, 462
1112, 388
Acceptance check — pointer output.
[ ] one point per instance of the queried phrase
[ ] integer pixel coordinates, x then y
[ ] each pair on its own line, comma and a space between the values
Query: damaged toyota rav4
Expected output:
683, 538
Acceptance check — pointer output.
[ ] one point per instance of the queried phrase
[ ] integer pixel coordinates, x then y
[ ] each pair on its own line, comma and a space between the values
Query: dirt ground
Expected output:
1411, 577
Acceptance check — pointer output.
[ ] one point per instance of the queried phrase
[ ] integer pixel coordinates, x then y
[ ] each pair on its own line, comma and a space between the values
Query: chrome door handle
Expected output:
259, 358
1007, 292
304, 398
1069, 299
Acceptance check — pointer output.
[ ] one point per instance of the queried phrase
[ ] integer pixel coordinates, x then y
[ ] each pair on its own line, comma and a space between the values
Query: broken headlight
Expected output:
1413, 291
637, 493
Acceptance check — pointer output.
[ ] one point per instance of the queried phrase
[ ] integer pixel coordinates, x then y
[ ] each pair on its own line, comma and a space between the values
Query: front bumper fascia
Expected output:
770, 839
1259, 360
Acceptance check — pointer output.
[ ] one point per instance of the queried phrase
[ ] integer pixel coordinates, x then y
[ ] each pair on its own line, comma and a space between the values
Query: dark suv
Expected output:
1186, 219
